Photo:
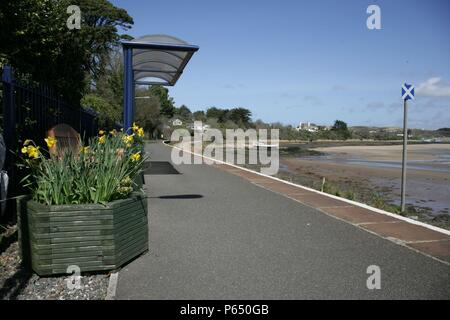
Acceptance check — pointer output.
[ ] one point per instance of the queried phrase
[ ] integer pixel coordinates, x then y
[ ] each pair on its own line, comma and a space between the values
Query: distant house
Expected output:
199, 126
177, 122
308, 126
324, 128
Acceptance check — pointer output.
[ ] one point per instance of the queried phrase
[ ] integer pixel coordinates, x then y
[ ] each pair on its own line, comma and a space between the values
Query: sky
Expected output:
310, 60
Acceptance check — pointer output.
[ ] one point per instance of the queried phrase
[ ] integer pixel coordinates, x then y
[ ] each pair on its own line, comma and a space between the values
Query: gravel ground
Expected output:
16, 283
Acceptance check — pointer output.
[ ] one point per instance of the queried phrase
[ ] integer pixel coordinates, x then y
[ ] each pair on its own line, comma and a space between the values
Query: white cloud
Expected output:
434, 87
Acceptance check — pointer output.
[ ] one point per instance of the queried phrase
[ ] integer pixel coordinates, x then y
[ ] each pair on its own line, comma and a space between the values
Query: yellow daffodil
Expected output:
102, 139
51, 142
136, 156
140, 132
33, 152
24, 150
27, 142
135, 127
113, 132
101, 132
128, 139
84, 150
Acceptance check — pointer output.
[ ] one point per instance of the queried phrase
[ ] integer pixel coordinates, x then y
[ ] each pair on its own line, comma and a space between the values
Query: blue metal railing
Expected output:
29, 111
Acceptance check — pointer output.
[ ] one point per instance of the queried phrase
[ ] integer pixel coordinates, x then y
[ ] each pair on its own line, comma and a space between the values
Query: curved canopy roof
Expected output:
159, 59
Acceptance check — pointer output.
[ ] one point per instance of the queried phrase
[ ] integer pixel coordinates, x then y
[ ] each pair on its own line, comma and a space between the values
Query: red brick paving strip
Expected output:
318, 201
438, 249
283, 188
358, 215
405, 231
246, 174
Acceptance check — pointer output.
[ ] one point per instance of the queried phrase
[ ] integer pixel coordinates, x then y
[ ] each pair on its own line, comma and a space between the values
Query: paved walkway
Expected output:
215, 235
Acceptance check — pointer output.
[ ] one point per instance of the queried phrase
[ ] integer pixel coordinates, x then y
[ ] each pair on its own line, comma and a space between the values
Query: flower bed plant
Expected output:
100, 172
85, 207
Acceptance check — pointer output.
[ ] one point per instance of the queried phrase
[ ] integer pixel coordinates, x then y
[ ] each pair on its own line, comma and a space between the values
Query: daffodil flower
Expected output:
101, 132
128, 139
33, 152
51, 142
84, 149
136, 156
140, 132
102, 139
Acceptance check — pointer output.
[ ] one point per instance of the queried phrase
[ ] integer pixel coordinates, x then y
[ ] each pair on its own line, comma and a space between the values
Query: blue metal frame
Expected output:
128, 88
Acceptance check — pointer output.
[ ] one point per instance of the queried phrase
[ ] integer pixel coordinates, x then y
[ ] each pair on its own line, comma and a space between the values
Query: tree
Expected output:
216, 113
340, 126
341, 129
240, 116
108, 114
199, 115
37, 42
444, 131
167, 103
147, 114
109, 84
184, 113
259, 124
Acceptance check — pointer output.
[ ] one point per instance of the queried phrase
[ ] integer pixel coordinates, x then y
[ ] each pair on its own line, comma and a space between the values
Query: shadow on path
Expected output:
159, 168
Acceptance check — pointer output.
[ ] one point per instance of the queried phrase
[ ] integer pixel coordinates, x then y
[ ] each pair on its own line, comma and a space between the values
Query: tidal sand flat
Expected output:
369, 171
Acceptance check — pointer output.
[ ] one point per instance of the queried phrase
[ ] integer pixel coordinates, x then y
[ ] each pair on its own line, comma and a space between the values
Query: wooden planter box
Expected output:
94, 237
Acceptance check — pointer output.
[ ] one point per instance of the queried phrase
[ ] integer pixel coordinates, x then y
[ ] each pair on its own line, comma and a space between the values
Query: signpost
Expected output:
407, 94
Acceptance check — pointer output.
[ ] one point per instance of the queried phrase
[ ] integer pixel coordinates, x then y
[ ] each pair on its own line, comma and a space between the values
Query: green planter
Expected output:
94, 237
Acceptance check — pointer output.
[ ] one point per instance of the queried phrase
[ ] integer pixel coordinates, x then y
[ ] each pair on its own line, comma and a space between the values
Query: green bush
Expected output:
108, 113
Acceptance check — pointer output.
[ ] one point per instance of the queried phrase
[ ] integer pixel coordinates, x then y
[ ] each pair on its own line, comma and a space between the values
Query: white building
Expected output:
177, 122
308, 126
199, 126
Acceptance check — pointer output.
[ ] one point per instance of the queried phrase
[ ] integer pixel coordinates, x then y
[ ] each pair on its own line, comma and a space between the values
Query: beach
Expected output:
416, 152
365, 170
